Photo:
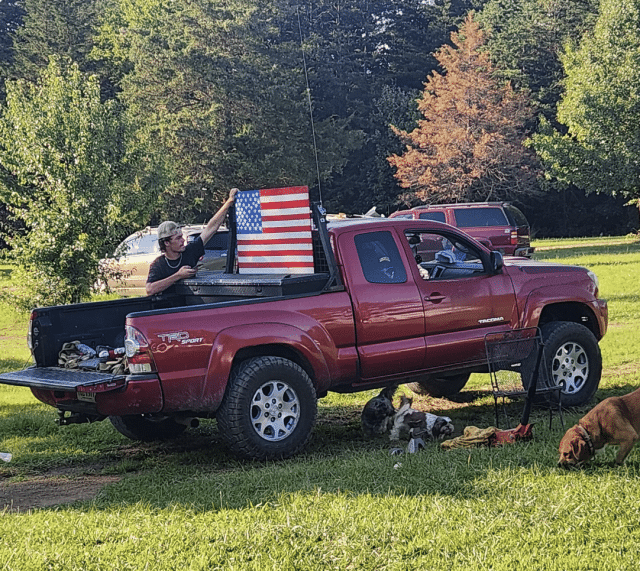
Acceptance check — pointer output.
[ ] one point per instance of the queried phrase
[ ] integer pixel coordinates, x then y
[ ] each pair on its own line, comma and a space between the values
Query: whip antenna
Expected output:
313, 131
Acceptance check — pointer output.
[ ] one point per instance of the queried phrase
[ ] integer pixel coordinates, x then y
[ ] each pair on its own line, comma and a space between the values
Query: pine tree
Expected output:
469, 144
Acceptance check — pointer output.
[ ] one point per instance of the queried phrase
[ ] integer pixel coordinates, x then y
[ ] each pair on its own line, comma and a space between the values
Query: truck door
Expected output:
462, 300
387, 305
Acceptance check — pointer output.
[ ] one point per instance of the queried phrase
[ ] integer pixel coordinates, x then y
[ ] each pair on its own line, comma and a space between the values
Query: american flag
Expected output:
274, 231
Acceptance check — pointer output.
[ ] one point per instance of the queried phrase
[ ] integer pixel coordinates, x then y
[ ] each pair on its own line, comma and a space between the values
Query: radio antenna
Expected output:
313, 130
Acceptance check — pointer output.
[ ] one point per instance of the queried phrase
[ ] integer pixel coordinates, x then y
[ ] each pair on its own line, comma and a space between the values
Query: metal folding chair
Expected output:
509, 353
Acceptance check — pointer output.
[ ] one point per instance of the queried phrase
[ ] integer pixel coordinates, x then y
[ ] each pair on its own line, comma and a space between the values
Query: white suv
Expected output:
128, 268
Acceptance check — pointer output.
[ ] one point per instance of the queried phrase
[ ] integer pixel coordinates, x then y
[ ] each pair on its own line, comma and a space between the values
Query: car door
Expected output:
462, 303
387, 305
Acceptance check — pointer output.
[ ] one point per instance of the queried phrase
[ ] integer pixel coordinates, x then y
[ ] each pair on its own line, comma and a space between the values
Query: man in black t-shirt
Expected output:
178, 261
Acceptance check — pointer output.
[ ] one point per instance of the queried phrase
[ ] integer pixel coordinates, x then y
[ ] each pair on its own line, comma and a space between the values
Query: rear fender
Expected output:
254, 340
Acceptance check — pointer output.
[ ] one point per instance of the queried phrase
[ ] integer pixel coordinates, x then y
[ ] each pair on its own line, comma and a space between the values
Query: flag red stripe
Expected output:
286, 229
283, 191
275, 241
275, 216
276, 265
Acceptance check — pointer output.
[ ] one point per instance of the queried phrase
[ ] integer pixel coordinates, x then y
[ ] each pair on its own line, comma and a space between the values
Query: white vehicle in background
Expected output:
126, 271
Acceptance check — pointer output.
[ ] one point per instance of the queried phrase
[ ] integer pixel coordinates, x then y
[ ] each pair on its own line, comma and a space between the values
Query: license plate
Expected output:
88, 397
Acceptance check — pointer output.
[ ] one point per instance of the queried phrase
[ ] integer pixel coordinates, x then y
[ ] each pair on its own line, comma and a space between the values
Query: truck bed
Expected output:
102, 323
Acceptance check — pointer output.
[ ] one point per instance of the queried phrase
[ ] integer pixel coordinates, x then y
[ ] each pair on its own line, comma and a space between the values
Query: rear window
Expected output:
408, 215
480, 217
435, 216
515, 215
219, 241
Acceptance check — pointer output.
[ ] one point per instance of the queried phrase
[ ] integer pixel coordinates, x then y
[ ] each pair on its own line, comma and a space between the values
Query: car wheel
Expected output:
572, 360
441, 386
268, 410
147, 428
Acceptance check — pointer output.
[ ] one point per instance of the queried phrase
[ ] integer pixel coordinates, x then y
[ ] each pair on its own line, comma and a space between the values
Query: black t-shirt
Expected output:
162, 268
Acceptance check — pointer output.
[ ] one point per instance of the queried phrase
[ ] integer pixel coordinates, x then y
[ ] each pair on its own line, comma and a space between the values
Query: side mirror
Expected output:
497, 262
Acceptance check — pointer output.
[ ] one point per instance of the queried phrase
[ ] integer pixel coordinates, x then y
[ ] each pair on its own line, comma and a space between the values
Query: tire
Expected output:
441, 386
572, 359
268, 410
147, 428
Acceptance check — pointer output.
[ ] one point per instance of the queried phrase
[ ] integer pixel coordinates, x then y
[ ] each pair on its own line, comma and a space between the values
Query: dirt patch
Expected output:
55, 488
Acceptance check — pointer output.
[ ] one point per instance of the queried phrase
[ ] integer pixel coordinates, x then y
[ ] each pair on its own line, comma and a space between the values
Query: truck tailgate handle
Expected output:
435, 297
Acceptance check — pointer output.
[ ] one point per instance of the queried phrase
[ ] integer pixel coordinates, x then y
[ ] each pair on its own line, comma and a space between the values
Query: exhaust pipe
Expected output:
188, 421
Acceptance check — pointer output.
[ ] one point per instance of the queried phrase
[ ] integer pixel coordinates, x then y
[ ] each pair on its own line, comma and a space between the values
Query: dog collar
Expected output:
587, 439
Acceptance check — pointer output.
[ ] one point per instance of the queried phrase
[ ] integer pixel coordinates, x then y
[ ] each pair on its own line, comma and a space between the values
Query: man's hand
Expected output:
218, 217
185, 272
154, 288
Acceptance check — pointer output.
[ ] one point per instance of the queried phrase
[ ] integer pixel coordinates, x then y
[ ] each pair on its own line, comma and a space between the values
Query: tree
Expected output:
359, 53
469, 144
11, 14
526, 38
600, 108
222, 94
62, 28
70, 172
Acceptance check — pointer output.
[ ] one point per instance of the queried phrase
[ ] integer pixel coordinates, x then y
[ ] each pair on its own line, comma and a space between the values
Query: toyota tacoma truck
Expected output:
391, 301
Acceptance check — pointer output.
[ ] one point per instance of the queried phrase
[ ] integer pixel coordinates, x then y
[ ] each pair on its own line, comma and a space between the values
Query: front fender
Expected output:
570, 304
233, 339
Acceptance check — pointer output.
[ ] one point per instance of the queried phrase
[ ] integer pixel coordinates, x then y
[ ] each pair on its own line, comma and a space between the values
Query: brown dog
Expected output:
615, 420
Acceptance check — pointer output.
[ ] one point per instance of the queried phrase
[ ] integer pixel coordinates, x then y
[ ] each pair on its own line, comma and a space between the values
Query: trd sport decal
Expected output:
180, 337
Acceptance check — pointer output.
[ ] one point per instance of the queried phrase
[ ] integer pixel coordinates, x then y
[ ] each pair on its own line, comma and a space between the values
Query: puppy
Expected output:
377, 415
419, 424
615, 420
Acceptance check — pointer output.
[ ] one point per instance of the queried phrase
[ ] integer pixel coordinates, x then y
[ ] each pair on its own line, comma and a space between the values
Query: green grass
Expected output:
345, 503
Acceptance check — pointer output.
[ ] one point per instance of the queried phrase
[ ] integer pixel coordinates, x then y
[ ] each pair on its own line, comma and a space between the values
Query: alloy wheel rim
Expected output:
570, 367
275, 411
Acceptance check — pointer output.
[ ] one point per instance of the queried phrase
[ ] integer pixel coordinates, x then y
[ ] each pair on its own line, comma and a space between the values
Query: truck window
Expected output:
515, 215
380, 259
437, 216
480, 217
440, 257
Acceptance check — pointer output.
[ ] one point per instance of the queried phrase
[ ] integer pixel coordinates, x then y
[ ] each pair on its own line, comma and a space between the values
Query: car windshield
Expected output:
138, 245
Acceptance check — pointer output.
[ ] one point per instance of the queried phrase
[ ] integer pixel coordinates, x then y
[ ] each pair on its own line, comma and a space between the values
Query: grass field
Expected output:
343, 504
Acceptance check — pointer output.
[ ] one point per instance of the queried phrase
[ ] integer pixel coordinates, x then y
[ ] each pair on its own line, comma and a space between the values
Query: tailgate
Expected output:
55, 378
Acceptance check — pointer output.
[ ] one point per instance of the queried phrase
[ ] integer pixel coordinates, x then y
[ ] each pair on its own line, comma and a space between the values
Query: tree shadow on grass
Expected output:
196, 470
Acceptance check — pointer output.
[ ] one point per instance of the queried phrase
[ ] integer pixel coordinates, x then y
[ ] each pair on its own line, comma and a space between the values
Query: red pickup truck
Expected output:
392, 301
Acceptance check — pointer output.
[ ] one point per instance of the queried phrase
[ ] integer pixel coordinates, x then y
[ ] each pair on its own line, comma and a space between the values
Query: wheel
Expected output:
440, 387
147, 428
268, 410
572, 359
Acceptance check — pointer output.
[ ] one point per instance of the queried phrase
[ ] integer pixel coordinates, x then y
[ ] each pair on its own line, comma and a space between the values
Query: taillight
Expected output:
139, 355
514, 237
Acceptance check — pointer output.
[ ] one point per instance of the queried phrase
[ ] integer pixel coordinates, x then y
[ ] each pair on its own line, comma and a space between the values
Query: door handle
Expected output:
435, 297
